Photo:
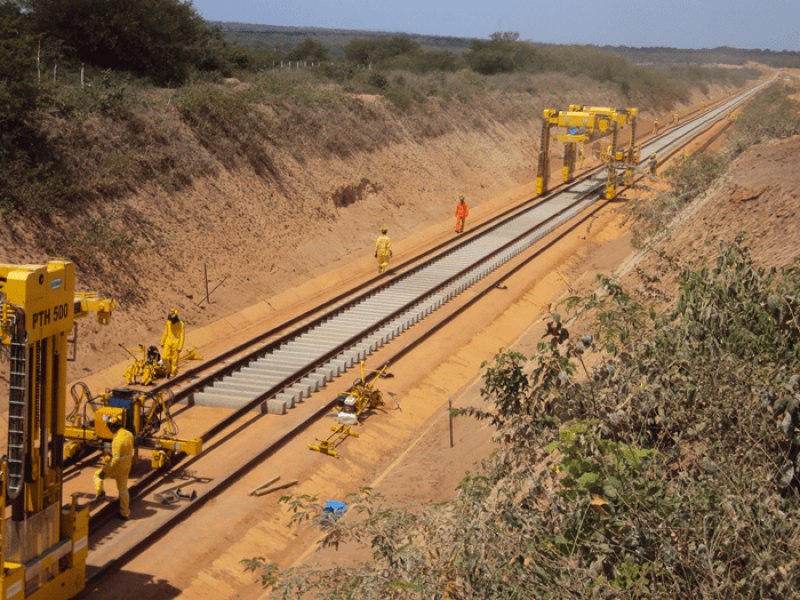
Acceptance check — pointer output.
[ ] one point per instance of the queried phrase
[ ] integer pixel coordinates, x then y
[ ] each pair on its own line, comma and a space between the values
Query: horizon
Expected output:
456, 37
740, 24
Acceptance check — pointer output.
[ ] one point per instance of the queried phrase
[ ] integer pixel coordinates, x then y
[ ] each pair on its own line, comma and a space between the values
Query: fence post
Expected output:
39, 62
55, 69
450, 415
82, 67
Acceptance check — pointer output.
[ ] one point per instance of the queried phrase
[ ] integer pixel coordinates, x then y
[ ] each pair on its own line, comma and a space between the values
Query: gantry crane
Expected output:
44, 543
625, 160
581, 124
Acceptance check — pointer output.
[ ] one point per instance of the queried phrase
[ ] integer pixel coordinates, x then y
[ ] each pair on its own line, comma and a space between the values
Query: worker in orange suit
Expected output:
172, 341
117, 467
462, 212
383, 250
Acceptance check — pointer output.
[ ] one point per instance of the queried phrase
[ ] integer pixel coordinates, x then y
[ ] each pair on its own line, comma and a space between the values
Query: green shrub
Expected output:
366, 51
771, 114
378, 80
669, 471
309, 49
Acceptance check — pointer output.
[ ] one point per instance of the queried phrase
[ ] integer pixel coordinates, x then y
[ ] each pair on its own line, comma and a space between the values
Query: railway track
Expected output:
285, 366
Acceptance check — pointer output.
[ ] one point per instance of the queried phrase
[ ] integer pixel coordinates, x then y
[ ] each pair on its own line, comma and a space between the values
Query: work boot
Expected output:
99, 496
124, 518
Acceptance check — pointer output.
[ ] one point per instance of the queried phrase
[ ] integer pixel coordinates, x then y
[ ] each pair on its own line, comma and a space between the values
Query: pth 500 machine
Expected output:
44, 542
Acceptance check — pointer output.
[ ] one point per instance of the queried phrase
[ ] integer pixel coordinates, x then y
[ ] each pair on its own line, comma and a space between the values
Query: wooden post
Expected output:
450, 414
205, 272
55, 69
82, 68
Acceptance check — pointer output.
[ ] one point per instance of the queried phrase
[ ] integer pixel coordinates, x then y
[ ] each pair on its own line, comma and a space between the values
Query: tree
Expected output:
505, 36
365, 51
161, 39
309, 49
18, 91
492, 57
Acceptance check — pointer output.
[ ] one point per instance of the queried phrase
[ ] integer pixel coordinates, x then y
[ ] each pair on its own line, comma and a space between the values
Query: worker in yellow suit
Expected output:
655, 126
383, 249
117, 467
172, 341
652, 164
462, 212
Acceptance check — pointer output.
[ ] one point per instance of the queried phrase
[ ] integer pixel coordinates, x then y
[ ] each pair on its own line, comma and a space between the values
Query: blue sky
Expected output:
766, 24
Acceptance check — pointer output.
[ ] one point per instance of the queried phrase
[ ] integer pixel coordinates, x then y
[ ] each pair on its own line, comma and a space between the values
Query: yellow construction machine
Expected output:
143, 413
582, 124
44, 541
352, 406
149, 366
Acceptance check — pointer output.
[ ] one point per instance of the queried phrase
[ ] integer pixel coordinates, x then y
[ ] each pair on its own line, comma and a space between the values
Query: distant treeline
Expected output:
283, 39
723, 55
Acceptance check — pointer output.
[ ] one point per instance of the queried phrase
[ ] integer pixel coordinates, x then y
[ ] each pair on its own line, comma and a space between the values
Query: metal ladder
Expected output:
17, 410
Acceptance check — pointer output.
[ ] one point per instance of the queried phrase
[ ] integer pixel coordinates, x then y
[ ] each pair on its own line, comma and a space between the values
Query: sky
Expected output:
763, 24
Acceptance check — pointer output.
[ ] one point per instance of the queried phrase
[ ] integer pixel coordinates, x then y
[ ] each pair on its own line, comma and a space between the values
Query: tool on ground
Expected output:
150, 366
175, 493
328, 445
352, 406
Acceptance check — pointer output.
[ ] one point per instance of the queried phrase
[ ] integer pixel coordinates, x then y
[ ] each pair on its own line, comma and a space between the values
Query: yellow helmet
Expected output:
461, 196
384, 229
114, 421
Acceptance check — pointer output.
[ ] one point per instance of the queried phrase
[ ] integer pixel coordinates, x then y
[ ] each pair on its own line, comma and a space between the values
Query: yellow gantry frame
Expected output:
38, 306
581, 123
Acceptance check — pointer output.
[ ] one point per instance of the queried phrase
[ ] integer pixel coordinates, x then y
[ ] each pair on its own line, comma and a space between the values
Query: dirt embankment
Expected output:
317, 208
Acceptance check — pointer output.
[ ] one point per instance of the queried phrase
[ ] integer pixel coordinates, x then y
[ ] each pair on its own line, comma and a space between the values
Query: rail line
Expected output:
280, 368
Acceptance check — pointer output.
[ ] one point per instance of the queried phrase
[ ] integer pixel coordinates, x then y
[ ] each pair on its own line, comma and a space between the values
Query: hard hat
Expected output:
384, 229
114, 421
461, 196
173, 311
